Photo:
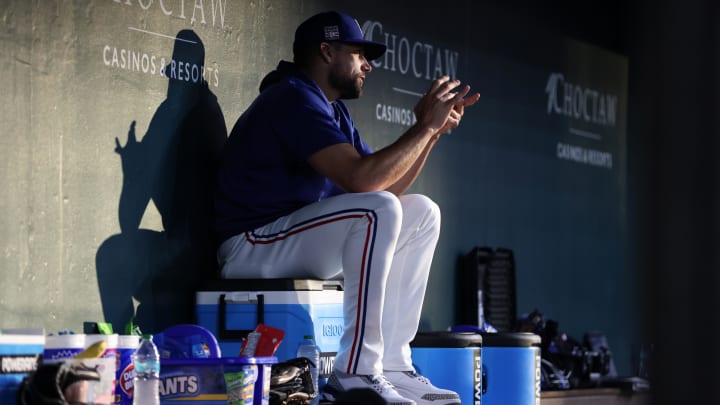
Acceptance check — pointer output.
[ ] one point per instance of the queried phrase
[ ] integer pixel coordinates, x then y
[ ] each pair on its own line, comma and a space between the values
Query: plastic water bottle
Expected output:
146, 386
308, 349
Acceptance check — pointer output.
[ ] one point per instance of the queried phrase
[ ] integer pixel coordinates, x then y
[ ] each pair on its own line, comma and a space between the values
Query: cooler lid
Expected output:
511, 339
271, 284
447, 339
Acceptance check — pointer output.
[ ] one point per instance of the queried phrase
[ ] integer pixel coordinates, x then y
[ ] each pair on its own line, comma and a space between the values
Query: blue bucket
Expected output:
511, 369
451, 360
216, 381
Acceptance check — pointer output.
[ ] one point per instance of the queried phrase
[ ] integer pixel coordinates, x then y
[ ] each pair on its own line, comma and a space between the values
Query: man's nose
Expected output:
366, 67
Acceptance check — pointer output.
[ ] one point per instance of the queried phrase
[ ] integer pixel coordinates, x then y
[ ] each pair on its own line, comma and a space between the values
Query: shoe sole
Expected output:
329, 396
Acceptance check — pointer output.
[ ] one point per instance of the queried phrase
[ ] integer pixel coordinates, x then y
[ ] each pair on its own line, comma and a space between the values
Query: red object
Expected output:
267, 343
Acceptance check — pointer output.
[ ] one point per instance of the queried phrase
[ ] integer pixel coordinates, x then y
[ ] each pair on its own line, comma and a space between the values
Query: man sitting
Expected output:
301, 195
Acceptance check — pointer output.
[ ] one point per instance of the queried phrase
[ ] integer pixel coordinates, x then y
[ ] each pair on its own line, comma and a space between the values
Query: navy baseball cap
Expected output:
333, 26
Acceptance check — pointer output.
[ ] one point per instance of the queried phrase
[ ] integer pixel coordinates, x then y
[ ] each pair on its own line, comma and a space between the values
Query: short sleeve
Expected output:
308, 123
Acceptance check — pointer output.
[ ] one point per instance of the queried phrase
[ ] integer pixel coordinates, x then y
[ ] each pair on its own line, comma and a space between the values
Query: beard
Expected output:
348, 86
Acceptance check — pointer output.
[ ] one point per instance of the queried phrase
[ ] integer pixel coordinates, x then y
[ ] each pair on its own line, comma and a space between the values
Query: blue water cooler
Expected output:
511, 369
230, 309
451, 360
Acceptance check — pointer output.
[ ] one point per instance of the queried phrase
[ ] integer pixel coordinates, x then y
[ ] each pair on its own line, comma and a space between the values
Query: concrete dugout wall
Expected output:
113, 110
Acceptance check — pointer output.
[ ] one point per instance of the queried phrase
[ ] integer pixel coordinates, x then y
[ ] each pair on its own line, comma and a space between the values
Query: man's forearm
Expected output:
397, 165
342, 164
406, 181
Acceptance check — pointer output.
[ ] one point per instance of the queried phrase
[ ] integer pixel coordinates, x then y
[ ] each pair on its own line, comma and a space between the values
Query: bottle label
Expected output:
127, 376
241, 385
147, 367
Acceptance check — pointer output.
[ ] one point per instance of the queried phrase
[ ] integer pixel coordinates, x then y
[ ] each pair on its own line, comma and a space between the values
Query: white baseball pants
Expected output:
381, 244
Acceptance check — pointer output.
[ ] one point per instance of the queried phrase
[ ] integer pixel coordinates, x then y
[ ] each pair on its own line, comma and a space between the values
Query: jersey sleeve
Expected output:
360, 145
307, 124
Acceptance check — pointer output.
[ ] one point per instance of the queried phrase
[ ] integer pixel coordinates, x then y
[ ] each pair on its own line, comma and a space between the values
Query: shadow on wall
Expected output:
174, 166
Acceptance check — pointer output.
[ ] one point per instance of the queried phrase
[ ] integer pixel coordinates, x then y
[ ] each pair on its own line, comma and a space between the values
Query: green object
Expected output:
102, 328
132, 329
105, 328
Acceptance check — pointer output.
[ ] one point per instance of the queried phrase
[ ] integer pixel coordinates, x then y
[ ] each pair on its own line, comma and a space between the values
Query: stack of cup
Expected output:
127, 344
106, 365
114, 364
61, 347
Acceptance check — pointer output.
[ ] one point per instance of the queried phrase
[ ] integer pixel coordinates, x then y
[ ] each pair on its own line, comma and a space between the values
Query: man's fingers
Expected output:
445, 100
460, 99
448, 86
448, 96
437, 83
455, 97
460, 95
444, 86
459, 108
456, 115
467, 102
453, 121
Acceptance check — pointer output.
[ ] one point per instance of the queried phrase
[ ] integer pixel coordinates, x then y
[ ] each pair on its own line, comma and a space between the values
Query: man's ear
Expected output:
326, 52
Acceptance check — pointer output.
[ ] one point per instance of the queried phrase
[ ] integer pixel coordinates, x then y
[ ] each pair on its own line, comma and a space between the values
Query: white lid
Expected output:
15, 339
65, 341
111, 340
128, 341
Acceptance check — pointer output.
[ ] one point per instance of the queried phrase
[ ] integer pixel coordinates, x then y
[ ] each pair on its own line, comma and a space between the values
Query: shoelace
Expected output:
420, 378
380, 383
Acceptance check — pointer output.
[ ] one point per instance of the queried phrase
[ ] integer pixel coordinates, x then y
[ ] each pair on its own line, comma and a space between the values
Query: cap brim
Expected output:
373, 50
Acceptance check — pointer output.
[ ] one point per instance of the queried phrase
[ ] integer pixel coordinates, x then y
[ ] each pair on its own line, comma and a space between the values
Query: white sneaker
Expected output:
412, 385
341, 382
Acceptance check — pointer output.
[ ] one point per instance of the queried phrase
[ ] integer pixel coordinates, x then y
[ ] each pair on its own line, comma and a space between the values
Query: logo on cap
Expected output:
332, 33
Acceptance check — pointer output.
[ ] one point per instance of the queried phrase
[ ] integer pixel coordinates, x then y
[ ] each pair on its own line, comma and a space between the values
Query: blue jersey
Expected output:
263, 173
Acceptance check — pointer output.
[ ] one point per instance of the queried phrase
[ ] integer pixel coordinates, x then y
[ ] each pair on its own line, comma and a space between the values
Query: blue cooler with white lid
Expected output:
511, 368
231, 308
451, 360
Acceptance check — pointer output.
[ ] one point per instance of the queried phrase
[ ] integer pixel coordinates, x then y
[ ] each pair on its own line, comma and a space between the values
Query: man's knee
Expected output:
383, 200
385, 205
421, 206
426, 203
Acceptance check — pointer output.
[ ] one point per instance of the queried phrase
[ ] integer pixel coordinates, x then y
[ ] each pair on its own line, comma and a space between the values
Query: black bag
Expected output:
291, 382
568, 363
56, 384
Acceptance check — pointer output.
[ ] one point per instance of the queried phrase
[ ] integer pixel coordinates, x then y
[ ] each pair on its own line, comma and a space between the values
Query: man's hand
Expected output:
457, 112
396, 166
441, 109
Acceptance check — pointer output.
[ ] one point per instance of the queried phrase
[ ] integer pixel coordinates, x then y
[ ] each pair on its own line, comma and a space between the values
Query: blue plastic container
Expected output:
210, 381
186, 341
19, 356
451, 360
511, 367
230, 315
